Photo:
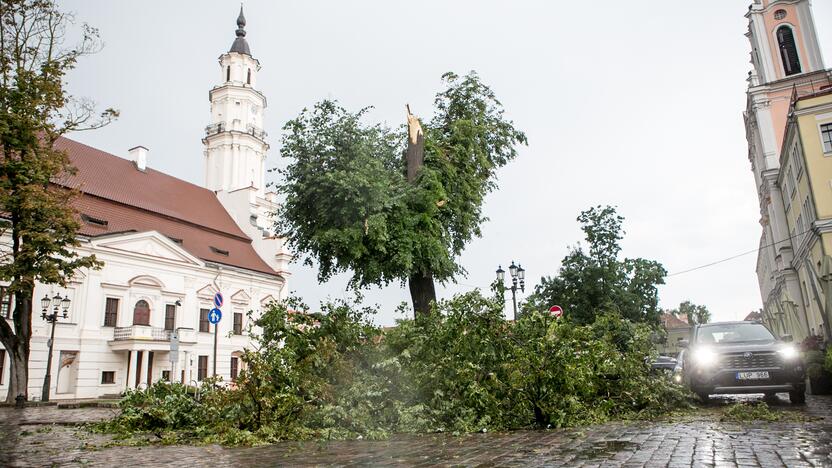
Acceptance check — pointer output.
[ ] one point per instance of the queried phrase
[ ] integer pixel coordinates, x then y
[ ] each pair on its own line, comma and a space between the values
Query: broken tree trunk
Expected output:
422, 289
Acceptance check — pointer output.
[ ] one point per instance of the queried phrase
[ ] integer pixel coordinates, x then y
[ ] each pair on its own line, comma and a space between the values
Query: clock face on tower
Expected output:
253, 109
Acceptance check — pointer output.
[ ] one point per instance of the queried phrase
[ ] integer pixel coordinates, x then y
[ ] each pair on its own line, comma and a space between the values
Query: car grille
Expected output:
756, 360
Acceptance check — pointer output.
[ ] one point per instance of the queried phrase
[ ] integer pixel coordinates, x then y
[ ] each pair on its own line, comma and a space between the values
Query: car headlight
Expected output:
788, 352
705, 356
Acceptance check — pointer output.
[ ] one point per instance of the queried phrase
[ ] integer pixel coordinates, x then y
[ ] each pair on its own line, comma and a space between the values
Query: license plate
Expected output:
752, 375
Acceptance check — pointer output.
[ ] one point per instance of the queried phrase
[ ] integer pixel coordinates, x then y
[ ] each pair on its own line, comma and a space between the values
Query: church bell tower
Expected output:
235, 151
235, 143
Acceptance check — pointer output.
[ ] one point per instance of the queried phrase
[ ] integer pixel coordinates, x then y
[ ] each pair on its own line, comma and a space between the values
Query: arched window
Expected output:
248, 77
228, 73
141, 313
788, 50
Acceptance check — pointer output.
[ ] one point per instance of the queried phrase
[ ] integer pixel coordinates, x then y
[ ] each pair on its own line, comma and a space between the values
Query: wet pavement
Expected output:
46, 437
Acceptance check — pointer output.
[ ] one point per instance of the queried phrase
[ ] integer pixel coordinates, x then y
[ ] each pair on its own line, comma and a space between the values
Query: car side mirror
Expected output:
684, 343
787, 338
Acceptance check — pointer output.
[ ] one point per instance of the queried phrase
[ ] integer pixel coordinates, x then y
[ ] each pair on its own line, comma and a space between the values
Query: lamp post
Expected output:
518, 276
57, 303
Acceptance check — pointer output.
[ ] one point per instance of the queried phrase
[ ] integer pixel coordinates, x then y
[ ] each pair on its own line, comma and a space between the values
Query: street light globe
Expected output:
521, 273
56, 300
513, 270
44, 303
65, 302
501, 274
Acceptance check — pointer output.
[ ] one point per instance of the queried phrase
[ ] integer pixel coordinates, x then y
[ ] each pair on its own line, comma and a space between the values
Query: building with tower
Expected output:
167, 247
807, 179
786, 65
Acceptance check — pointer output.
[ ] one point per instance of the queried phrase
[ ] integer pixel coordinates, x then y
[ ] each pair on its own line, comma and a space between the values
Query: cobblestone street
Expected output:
46, 437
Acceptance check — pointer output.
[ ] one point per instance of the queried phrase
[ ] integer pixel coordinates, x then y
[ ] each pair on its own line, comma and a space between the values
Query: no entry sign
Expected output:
556, 310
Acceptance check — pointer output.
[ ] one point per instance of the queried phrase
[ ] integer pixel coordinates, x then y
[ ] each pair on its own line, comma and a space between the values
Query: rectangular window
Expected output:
800, 228
238, 323
2, 364
170, 316
111, 312
166, 375
826, 137
785, 193
108, 377
812, 213
5, 303
202, 368
204, 324
234, 368
792, 182
798, 160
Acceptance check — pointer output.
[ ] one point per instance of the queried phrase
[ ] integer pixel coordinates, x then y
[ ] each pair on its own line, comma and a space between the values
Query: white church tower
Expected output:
235, 150
235, 143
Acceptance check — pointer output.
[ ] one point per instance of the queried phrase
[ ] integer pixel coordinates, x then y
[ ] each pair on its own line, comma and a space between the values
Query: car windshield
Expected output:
733, 333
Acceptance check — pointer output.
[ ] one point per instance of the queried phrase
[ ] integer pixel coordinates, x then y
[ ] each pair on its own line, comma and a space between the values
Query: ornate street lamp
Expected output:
60, 308
518, 277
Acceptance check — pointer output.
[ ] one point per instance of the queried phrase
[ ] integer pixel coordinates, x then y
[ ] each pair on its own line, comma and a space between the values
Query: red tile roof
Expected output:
127, 199
753, 316
671, 321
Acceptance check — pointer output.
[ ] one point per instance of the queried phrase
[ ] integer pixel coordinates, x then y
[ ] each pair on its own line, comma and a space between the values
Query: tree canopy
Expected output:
594, 281
349, 205
696, 314
35, 110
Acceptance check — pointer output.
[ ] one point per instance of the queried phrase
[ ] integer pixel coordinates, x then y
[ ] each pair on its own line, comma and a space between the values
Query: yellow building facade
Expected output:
806, 186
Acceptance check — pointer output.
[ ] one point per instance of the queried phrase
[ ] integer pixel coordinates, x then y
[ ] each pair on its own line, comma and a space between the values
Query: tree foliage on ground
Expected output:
34, 111
595, 280
696, 314
349, 207
460, 369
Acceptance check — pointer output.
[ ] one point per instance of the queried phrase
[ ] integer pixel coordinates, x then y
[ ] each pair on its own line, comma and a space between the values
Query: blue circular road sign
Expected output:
214, 316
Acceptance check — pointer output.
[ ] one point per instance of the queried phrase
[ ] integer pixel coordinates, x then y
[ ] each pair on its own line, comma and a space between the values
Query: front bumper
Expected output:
713, 381
754, 389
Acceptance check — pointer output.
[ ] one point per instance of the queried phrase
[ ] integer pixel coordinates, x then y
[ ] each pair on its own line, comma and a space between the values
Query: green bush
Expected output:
748, 412
462, 368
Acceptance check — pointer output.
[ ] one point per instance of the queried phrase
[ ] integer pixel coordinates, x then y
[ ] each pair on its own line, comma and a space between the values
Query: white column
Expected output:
187, 367
143, 371
131, 369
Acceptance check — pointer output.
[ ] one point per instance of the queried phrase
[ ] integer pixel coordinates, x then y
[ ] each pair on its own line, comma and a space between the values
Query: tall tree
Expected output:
593, 281
354, 203
34, 111
696, 314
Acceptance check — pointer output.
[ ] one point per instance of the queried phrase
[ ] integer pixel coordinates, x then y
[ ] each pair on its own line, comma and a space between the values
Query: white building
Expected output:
167, 247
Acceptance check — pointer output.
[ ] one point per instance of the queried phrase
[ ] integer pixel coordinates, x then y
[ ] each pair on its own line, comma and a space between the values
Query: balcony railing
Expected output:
141, 332
257, 132
144, 332
215, 128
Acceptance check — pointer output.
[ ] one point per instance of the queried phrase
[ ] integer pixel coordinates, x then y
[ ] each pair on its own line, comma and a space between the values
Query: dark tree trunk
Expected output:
539, 418
17, 346
422, 289
422, 292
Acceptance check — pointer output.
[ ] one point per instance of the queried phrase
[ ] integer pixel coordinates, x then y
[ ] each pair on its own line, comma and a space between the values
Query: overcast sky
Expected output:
636, 104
